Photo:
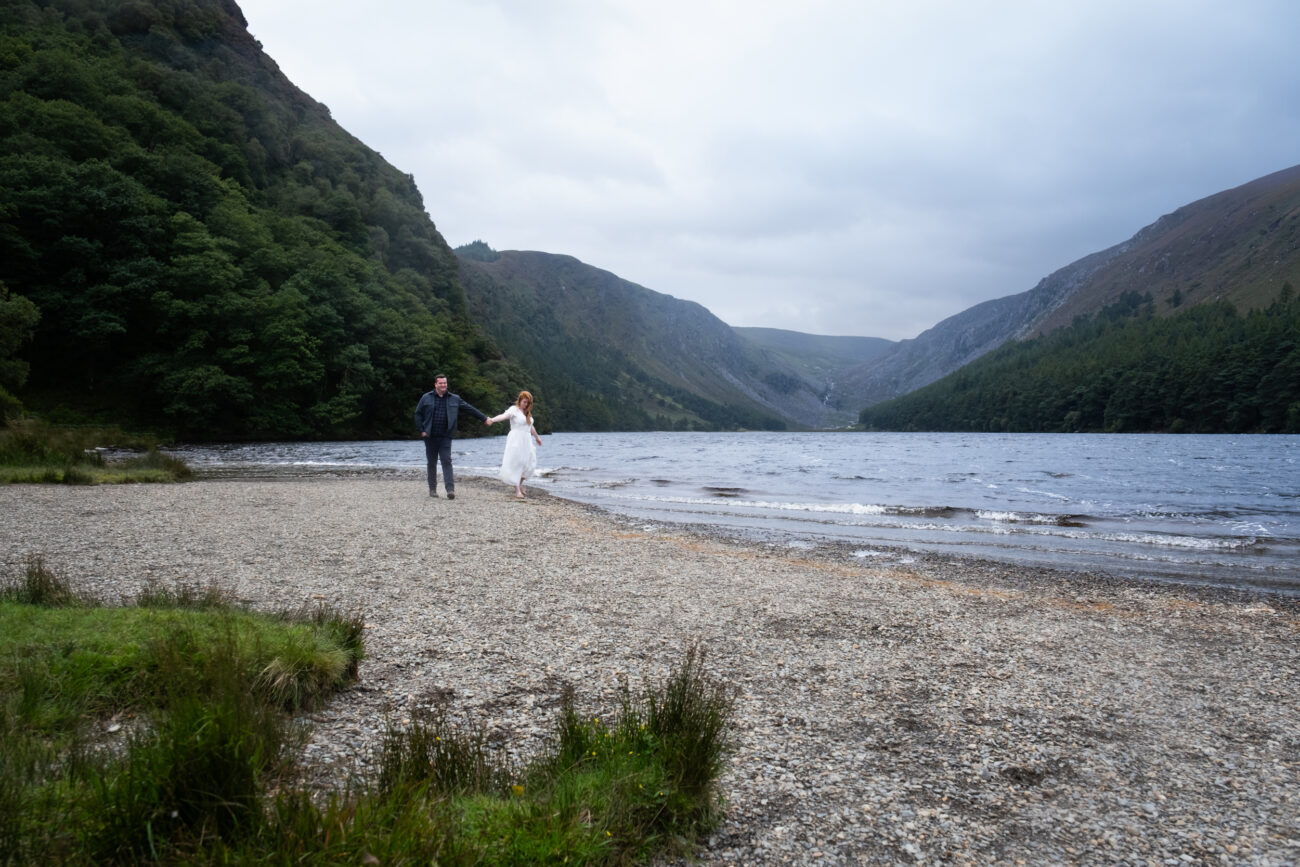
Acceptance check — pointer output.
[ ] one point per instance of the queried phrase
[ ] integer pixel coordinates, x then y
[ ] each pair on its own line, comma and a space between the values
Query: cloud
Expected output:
833, 167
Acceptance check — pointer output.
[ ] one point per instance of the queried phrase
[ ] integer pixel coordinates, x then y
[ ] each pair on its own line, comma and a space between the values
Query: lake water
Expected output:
1221, 510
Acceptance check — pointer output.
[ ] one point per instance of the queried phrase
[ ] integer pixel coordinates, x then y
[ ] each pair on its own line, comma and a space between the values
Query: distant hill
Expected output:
819, 360
816, 351
1238, 246
610, 354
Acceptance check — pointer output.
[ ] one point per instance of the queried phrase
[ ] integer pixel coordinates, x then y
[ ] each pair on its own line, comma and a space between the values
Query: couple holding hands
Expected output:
436, 415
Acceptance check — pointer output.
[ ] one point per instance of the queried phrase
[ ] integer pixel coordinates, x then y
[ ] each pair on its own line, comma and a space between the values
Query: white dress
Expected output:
520, 459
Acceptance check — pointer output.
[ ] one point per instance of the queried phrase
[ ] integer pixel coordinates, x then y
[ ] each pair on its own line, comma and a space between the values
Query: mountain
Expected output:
211, 255
612, 355
1239, 245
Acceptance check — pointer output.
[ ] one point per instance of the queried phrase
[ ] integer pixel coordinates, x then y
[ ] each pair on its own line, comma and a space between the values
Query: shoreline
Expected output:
945, 709
981, 570
1025, 575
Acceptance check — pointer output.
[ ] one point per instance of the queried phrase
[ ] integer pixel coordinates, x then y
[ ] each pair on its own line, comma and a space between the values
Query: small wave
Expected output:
829, 508
724, 492
1021, 518
358, 464
1197, 543
923, 511
1050, 494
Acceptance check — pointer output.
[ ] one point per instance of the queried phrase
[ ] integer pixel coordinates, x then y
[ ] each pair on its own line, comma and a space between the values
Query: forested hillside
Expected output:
616, 356
211, 256
1207, 369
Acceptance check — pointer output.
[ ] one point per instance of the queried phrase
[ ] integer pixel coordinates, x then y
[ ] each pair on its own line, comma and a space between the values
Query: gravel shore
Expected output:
890, 711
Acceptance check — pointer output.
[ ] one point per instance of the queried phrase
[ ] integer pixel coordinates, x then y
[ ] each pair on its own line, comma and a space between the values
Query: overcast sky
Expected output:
846, 167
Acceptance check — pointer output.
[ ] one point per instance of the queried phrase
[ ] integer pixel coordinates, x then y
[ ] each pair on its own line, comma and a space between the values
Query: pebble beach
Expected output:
942, 710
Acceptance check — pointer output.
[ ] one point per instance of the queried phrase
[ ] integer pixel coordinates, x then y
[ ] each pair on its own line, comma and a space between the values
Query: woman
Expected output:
520, 460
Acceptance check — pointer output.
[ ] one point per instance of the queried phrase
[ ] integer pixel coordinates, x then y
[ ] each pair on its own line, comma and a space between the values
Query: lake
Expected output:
1222, 510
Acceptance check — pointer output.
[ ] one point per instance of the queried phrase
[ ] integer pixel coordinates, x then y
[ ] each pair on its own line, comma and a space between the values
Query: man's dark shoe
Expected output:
451, 495
432, 492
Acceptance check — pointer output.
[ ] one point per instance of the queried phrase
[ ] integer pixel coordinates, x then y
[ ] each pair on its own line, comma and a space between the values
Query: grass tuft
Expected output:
39, 586
347, 629
306, 667
688, 714
434, 753
185, 596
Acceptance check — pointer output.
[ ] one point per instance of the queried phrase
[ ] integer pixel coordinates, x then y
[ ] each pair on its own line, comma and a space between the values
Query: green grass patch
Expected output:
160, 733
119, 658
33, 452
64, 660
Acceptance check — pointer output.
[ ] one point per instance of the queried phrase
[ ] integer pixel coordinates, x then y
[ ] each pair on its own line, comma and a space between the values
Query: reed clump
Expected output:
39, 585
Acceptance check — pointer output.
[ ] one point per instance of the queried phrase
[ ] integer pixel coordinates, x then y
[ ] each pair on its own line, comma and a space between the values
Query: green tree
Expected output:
18, 318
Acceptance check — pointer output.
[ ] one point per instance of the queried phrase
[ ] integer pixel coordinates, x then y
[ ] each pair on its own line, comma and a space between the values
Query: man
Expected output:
435, 416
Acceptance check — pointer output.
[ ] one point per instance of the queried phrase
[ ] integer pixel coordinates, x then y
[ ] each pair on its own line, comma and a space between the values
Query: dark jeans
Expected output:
439, 449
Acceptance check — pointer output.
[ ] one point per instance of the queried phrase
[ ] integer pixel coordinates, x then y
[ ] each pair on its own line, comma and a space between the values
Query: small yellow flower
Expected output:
517, 789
